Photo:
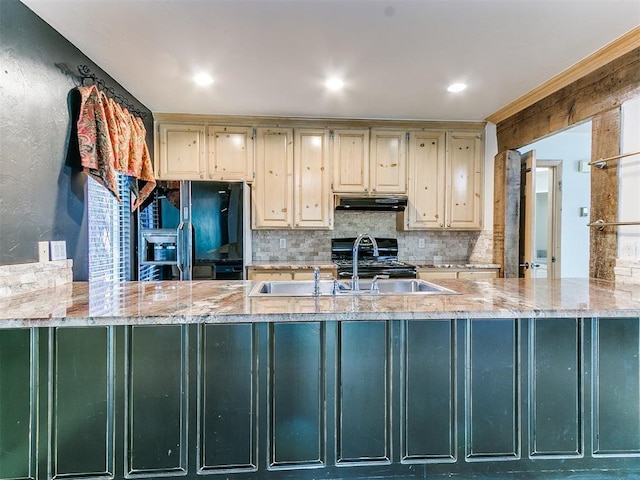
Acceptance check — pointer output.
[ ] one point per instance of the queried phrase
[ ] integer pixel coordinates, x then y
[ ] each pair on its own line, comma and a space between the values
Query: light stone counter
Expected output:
80, 304
298, 265
456, 265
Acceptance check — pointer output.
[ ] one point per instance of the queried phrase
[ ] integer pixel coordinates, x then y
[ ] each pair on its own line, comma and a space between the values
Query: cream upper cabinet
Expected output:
371, 162
464, 181
350, 159
230, 153
272, 192
427, 180
313, 200
388, 164
181, 152
445, 180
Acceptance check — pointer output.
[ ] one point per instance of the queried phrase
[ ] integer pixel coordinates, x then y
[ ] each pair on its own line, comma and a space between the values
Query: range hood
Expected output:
379, 204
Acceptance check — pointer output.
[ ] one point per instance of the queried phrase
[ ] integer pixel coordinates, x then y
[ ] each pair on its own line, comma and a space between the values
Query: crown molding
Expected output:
608, 53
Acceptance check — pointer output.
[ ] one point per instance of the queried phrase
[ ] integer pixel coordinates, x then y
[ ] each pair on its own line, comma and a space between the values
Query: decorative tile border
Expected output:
28, 277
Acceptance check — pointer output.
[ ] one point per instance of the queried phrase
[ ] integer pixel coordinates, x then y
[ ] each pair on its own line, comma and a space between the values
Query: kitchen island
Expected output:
509, 379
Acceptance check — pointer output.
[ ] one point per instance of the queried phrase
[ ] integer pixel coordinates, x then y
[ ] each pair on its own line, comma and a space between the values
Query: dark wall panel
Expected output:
42, 188
296, 418
157, 401
228, 400
429, 399
17, 404
555, 389
82, 402
364, 393
616, 395
493, 418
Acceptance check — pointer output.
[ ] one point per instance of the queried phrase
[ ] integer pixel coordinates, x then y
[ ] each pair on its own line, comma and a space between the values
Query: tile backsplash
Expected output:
475, 246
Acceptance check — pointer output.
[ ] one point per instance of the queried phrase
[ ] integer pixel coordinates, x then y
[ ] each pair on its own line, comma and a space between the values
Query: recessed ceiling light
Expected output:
456, 87
334, 83
203, 79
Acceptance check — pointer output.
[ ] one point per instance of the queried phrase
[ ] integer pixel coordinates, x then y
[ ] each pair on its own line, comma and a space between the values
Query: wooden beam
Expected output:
603, 244
600, 91
628, 42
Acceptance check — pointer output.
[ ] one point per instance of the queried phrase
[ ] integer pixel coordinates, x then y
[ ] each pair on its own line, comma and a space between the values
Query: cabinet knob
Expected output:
201, 175
442, 224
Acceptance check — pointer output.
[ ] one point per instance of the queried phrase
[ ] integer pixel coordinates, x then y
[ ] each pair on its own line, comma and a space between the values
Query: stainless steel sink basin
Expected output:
305, 288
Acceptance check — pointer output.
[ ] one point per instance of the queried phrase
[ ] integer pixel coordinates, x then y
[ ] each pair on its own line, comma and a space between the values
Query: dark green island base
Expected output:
480, 398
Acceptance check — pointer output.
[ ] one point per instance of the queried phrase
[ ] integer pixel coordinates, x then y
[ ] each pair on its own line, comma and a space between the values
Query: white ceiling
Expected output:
271, 57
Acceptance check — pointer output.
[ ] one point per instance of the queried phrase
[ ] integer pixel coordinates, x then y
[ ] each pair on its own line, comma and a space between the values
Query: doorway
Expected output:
540, 203
560, 246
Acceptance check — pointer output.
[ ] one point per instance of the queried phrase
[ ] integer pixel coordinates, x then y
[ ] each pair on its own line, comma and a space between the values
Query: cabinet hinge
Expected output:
407, 136
330, 134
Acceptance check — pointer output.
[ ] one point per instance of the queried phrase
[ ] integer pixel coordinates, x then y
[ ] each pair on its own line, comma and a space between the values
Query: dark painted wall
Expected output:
42, 191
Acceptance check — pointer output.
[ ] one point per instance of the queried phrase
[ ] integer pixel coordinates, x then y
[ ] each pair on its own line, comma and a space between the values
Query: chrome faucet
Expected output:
355, 283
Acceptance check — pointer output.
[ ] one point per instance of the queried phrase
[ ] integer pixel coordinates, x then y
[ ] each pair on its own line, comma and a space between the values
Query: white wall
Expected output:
571, 146
490, 151
629, 178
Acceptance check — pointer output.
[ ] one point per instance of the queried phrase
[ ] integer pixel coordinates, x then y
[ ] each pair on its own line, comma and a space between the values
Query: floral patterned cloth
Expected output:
113, 140
96, 150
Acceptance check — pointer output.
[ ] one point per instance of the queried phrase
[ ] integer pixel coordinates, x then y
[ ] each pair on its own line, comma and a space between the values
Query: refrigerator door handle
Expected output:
179, 249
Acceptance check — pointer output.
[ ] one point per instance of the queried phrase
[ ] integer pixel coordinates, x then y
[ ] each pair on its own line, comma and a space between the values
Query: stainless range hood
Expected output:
379, 204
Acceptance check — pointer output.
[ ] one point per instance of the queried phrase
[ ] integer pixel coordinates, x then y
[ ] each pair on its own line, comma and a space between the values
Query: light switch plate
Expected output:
421, 243
58, 250
283, 243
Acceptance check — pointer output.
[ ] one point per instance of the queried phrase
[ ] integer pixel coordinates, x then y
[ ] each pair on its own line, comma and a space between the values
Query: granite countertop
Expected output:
218, 301
296, 265
458, 264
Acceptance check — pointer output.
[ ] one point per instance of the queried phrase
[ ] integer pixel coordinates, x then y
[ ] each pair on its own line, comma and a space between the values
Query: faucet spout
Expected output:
355, 283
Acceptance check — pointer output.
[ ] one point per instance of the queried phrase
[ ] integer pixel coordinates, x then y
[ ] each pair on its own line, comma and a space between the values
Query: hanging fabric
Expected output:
96, 150
112, 140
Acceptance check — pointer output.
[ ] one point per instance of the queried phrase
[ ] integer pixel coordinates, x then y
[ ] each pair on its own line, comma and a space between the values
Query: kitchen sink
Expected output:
305, 288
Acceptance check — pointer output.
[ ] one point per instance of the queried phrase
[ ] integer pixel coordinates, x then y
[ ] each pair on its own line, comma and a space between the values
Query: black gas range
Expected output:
369, 266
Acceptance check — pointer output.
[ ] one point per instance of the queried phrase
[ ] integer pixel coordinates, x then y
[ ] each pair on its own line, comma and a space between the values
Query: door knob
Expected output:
525, 265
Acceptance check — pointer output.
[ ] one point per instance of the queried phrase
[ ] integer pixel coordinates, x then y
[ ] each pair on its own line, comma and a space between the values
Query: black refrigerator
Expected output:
195, 232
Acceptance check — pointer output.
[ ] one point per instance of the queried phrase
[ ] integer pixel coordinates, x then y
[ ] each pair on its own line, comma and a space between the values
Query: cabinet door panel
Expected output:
616, 389
157, 399
312, 192
82, 402
350, 158
18, 431
230, 153
181, 152
388, 161
273, 189
228, 411
426, 180
296, 376
428, 391
464, 163
431, 274
492, 406
555, 390
364, 414
474, 274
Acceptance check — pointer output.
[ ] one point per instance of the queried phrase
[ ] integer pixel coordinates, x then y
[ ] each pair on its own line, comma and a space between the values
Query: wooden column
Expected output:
506, 212
605, 142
